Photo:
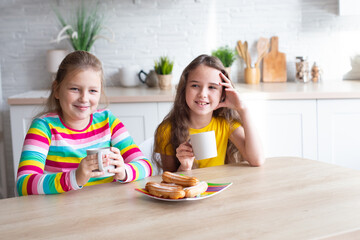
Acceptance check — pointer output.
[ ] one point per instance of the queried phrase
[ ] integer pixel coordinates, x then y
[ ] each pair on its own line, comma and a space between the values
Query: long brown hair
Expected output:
75, 61
179, 115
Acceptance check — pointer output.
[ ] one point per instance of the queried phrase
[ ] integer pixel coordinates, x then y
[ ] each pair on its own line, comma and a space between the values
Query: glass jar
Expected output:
302, 69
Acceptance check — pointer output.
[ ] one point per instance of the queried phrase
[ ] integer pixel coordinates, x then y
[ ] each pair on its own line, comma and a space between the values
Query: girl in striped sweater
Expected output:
53, 158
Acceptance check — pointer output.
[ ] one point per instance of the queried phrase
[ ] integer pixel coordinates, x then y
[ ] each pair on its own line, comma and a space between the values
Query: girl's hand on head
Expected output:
85, 169
232, 97
117, 160
186, 156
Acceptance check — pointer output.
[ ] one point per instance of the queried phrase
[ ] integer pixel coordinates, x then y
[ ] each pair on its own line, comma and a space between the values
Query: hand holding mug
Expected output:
204, 145
100, 162
87, 169
116, 160
186, 156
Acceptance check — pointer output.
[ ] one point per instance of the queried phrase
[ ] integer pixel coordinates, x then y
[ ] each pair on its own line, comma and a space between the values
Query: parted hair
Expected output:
74, 62
179, 115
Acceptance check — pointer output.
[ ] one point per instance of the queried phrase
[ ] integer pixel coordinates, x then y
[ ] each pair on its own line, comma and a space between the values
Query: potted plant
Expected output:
226, 56
163, 68
84, 30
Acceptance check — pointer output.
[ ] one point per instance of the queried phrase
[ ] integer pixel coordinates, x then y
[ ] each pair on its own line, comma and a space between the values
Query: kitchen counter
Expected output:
263, 91
286, 198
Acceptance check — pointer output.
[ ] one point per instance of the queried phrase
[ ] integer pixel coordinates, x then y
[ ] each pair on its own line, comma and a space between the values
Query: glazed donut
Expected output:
196, 190
158, 190
184, 181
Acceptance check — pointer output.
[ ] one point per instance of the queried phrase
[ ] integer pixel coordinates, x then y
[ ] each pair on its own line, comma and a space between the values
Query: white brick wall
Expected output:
3, 187
182, 29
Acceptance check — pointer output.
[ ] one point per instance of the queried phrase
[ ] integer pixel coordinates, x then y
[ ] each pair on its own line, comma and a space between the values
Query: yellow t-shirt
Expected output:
222, 129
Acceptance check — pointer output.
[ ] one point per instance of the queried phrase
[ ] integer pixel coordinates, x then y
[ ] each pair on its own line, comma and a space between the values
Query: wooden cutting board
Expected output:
274, 64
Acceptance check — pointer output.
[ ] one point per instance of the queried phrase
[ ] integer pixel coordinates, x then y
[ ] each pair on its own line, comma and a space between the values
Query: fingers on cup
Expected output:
97, 174
115, 150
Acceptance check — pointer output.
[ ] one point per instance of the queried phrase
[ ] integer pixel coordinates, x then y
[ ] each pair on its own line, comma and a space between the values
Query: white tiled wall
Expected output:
3, 188
181, 29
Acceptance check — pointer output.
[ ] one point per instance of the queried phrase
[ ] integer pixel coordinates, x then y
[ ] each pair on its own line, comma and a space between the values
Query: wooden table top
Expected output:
286, 198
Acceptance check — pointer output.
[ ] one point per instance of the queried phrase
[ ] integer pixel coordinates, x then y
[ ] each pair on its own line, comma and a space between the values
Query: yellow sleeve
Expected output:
162, 139
234, 125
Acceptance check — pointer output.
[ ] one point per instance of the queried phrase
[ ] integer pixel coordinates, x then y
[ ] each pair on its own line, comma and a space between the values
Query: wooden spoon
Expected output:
238, 49
247, 55
242, 51
262, 48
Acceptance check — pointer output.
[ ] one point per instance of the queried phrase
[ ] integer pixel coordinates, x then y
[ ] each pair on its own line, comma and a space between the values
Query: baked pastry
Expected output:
181, 180
196, 190
160, 190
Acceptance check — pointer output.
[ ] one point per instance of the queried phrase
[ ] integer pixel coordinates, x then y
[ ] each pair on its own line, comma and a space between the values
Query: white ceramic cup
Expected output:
129, 76
100, 153
204, 145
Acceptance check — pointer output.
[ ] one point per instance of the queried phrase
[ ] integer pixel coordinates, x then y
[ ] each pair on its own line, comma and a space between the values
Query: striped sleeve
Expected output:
136, 164
31, 178
136, 170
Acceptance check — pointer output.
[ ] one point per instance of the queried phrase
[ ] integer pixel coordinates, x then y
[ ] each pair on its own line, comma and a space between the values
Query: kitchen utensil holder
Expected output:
252, 75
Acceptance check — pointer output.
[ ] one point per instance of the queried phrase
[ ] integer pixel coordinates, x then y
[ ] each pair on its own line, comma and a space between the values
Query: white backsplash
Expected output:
3, 188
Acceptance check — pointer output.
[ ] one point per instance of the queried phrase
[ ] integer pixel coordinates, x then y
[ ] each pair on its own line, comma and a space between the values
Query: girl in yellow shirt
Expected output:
206, 100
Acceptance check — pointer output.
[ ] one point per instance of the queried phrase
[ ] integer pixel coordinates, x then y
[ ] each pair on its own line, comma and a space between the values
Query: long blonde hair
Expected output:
179, 115
75, 61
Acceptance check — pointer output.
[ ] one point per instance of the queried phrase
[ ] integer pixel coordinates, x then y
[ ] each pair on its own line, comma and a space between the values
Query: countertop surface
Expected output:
286, 198
262, 91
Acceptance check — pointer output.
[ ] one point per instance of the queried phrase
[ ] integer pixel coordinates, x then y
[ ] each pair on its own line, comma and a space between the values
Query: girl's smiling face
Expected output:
203, 92
79, 96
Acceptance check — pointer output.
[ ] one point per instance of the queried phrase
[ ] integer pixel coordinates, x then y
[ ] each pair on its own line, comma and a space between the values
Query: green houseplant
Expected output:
226, 56
163, 68
85, 28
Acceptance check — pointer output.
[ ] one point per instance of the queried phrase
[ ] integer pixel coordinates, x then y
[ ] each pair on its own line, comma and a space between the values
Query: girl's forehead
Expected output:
77, 74
203, 67
204, 73
76, 71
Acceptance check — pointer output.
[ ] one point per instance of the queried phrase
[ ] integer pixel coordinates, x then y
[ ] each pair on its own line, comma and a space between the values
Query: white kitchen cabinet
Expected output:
325, 130
21, 117
287, 127
349, 7
140, 119
339, 132
163, 109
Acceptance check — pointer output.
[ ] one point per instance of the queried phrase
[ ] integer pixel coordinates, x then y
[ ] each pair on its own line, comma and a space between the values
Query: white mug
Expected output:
204, 145
100, 153
129, 76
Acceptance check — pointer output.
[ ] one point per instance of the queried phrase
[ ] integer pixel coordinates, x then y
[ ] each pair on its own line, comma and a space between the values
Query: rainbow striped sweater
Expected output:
52, 152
